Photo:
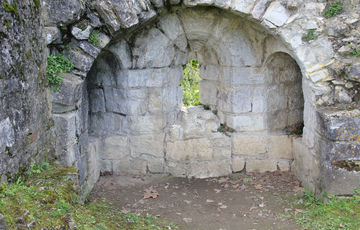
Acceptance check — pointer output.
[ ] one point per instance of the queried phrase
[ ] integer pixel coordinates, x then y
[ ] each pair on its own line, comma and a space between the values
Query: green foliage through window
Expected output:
333, 10
94, 38
190, 83
57, 64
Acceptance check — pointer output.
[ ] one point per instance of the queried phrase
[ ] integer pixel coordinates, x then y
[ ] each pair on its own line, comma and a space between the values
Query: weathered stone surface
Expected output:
107, 14
276, 14
207, 92
52, 35
281, 147
81, 34
62, 12
248, 144
253, 122
122, 51
93, 162
353, 72
172, 28
151, 144
243, 6
153, 49
209, 169
69, 94
259, 8
89, 48
80, 60
103, 40
115, 148
146, 124
284, 165
7, 134
237, 164
197, 149
157, 3
137, 166
261, 166
235, 101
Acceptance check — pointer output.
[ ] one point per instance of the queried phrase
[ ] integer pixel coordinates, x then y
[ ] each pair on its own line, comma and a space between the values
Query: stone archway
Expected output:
270, 28
136, 113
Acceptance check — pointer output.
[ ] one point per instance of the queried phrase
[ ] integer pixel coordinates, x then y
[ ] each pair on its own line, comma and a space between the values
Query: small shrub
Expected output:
190, 83
225, 129
94, 38
57, 64
355, 52
309, 35
333, 10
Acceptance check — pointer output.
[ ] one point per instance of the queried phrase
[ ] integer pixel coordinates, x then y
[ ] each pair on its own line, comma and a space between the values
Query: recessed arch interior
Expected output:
135, 97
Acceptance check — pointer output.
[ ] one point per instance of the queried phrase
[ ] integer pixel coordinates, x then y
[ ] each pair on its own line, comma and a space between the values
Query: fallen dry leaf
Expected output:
150, 193
258, 186
209, 201
235, 186
223, 180
297, 211
217, 190
298, 189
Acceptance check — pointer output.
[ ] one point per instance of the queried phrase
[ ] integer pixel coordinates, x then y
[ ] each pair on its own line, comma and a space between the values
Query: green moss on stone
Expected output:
10, 8
37, 3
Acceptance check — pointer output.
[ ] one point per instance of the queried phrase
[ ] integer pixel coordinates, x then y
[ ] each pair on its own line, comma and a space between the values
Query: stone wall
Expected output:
263, 32
25, 118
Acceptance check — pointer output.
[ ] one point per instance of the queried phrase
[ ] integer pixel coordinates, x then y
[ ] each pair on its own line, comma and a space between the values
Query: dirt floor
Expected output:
238, 202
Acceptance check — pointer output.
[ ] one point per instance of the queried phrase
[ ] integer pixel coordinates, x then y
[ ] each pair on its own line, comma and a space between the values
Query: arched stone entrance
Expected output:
136, 114
243, 47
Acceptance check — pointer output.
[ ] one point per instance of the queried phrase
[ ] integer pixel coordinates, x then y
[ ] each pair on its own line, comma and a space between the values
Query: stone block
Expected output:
127, 165
281, 147
68, 95
65, 130
276, 14
81, 60
114, 123
207, 92
106, 166
155, 100
210, 72
198, 122
89, 48
151, 144
259, 8
284, 165
103, 40
155, 165
243, 6
62, 14
177, 169
248, 144
248, 122
146, 124
122, 51
237, 100
115, 147
171, 26
237, 76
153, 49
116, 100
276, 98
193, 149
7, 134
151, 77
221, 145
171, 98
97, 100
203, 169
81, 34
93, 162
237, 164
261, 166
52, 34
259, 98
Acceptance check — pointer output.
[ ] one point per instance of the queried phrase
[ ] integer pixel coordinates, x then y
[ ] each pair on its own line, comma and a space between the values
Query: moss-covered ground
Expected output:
48, 198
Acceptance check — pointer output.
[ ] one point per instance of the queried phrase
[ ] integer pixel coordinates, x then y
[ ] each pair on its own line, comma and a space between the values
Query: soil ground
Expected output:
243, 201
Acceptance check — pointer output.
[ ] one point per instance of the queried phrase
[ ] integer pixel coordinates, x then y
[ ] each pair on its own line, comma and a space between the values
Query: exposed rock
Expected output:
62, 12
276, 14
52, 35
81, 34
353, 72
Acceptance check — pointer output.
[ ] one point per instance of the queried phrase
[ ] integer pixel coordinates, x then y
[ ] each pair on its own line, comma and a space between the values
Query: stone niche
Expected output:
250, 82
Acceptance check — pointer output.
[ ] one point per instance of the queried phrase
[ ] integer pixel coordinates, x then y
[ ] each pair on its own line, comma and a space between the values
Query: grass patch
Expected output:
57, 64
94, 38
355, 52
309, 35
333, 10
48, 198
190, 84
337, 213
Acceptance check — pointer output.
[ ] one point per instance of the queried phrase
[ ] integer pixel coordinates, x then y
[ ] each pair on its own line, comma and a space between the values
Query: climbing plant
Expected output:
190, 83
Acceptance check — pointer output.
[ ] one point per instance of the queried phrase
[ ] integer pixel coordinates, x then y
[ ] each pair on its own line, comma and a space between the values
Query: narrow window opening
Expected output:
190, 83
